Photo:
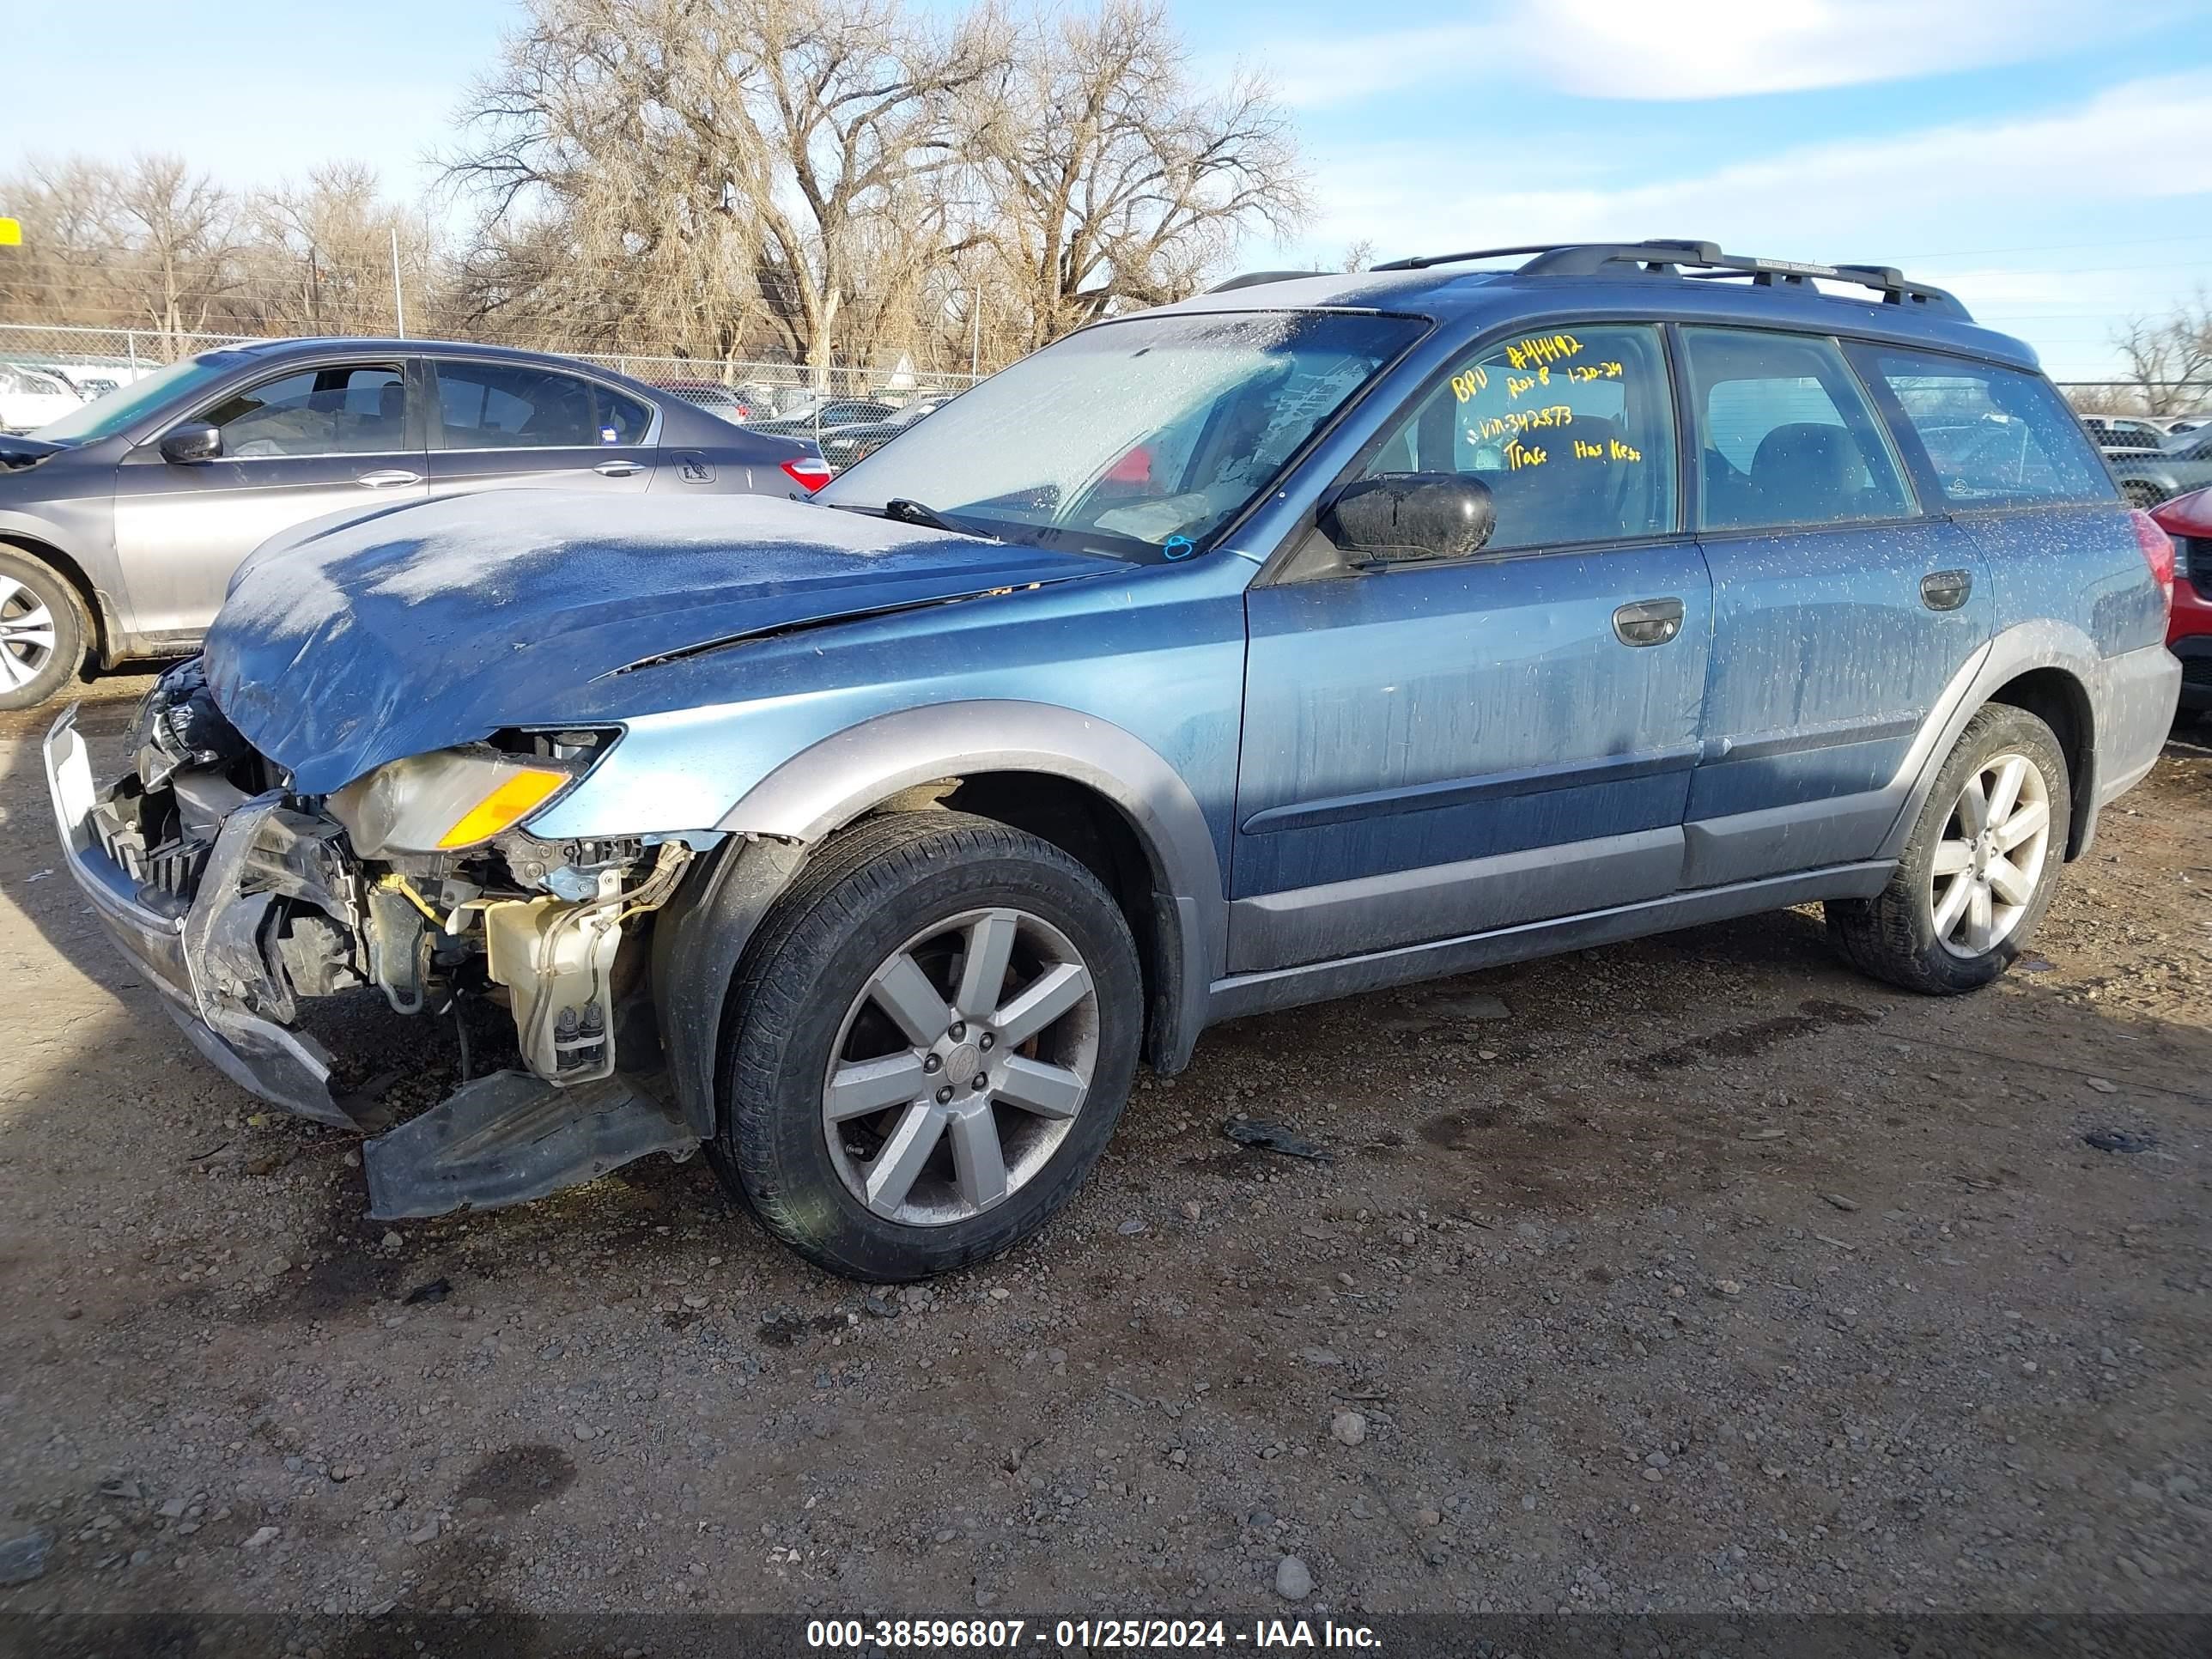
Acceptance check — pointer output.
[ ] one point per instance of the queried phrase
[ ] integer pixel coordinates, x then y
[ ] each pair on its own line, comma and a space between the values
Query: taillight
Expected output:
2157, 550
811, 473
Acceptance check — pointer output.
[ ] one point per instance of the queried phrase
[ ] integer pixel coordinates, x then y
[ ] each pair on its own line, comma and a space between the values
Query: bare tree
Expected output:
744, 154
320, 256
1111, 179
2169, 359
65, 206
182, 229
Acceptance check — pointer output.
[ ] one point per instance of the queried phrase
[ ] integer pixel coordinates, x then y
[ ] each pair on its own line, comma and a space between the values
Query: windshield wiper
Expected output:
907, 511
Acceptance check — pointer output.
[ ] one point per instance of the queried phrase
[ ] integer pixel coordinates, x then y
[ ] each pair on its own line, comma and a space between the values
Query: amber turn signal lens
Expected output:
519, 794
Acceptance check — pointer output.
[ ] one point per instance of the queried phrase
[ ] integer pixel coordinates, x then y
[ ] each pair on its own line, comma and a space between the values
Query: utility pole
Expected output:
398, 305
975, 333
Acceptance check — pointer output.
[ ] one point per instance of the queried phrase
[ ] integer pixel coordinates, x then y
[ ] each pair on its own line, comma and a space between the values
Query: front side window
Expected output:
521, 406
1993, 435
1572, 429
348, 409
1140, 439
1785, 435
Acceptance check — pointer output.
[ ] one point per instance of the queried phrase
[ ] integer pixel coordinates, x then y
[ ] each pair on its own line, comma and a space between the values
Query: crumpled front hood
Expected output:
347, 644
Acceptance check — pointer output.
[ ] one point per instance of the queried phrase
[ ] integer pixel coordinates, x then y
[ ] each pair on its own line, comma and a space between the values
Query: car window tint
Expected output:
625, 419
346, 409
517, 406
1993, 435
1573, 431
1784, 435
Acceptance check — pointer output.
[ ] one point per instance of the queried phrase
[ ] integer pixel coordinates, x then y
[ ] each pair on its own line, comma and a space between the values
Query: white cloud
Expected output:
1676, 50
2046, 178
1841, 199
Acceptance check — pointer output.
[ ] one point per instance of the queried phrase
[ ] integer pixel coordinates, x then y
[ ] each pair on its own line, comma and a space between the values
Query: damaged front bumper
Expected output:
206, 921
207, 962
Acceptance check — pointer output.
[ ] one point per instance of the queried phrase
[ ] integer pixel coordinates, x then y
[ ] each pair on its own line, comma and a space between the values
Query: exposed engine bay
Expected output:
414, 880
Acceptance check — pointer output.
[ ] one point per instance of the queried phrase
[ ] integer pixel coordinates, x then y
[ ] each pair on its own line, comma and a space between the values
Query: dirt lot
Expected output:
1700, 1274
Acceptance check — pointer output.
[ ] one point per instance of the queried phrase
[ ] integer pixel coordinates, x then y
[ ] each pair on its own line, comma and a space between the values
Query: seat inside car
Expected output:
1806, 470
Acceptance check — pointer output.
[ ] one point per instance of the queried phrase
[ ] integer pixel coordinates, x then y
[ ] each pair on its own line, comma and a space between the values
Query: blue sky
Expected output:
2050, 160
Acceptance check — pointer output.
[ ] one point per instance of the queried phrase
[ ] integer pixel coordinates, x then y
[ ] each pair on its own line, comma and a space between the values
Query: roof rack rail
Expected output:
1659, 256
1254, 278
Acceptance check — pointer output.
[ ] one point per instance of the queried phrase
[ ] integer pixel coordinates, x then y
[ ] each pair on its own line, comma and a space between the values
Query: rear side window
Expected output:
521, 406
1994, 436
1785, 438
1572, 429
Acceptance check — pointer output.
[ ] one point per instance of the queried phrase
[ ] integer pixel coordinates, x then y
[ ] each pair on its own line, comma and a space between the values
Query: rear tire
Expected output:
1979, 869
43, 634
936, 1030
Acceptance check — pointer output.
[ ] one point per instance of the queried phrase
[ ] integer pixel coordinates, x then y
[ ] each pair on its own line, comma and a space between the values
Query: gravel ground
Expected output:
1696, 1274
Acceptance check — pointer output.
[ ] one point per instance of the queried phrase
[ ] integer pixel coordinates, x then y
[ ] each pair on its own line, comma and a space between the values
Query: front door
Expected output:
1840, 611
306, 442
509, 423
1432, 750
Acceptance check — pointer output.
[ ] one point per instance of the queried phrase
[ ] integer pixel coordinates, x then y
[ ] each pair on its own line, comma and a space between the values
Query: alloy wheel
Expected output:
961, 1066
1991, 859
28, 634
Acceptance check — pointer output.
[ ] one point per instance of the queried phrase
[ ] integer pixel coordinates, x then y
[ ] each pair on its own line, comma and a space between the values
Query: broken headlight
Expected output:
178, 725
454, 799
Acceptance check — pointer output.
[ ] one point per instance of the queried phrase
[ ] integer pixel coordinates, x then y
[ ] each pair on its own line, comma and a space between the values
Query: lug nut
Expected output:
980, 1082
959, 1029
933, 1062
987, 1042
944, 1095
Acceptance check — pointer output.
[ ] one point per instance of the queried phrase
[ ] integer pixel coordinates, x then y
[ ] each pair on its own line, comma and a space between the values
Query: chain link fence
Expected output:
45, 370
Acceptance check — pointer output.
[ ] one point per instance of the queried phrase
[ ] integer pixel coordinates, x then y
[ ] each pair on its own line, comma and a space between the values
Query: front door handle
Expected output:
389, 479
1946, 590
1648, 622
616, 468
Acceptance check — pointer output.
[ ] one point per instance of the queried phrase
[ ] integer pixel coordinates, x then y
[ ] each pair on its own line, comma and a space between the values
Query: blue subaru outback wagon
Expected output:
1316, 635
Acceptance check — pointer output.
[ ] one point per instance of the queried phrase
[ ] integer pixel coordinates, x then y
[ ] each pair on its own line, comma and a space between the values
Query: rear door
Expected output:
505, 423
301, 442
1841, 609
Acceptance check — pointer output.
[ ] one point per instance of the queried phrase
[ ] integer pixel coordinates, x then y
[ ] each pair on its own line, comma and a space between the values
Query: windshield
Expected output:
1140, 438
104, 418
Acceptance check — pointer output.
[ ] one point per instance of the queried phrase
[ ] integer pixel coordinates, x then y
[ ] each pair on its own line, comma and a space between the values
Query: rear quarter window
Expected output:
1993, 436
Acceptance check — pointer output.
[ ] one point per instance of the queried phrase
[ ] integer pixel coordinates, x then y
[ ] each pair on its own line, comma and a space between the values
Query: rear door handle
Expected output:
616, 468
1946, 590
389, 479
1648, 622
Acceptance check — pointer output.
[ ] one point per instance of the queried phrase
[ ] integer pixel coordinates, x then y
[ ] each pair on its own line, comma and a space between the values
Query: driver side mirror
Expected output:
1408, 517
191, 443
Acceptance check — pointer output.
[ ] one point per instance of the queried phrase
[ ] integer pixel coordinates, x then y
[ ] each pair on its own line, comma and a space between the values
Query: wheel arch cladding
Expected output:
100, 633
1082, 784
2062, 703
1090, 828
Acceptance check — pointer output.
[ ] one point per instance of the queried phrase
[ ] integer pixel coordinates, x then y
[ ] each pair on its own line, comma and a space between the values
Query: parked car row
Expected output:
2149, 476
29, 398
846, 427
2118, 433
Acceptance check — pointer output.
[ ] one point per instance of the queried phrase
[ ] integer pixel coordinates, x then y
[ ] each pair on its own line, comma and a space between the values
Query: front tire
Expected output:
1979, 869
42, 632
937, 1029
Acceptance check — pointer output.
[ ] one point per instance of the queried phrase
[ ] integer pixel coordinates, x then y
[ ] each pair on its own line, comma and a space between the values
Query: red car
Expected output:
2188, 519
